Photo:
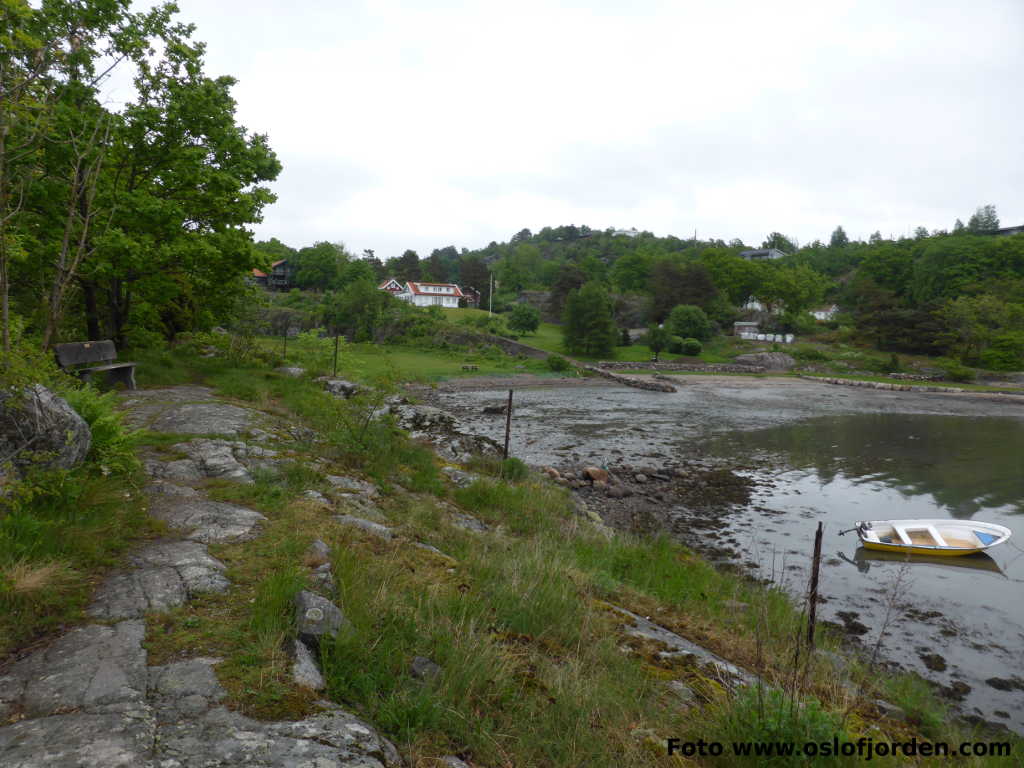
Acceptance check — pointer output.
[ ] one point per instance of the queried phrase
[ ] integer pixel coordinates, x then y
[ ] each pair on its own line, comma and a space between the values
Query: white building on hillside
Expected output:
431, 294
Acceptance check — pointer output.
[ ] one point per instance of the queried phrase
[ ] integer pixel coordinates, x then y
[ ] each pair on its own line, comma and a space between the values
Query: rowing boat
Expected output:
931, 537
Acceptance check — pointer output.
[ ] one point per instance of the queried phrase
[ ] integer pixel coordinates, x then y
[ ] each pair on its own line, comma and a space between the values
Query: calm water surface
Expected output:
845, 468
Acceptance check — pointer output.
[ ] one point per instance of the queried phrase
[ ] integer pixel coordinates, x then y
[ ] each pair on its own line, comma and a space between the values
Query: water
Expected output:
835, 455
964, 613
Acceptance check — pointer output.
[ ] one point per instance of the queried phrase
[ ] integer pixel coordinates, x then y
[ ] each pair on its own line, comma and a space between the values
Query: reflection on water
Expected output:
965, 464
841, 469
863, 559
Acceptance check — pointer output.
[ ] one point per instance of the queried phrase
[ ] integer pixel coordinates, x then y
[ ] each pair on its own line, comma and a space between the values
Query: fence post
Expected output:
812, 610
508, 422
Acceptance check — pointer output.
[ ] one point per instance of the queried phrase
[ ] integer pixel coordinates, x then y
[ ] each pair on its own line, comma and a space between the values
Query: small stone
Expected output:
640, 478
596, 474
305, 671
322, 579
616, 492
292, 371
315, 496
316, 617
423, 668
468, 522
318, 553
552, 473
450, 761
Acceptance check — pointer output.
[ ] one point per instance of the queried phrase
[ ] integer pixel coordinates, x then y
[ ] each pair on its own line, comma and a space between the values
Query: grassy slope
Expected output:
517, 618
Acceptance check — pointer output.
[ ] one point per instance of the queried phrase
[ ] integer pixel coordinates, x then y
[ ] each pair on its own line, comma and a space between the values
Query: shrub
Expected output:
692, 347
954, 370
1006, 353
689, 322
514, 469
807, 354
558, 363
112, 446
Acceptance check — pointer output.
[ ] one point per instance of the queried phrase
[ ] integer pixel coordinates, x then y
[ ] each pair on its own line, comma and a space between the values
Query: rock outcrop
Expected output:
770, 361
40, 429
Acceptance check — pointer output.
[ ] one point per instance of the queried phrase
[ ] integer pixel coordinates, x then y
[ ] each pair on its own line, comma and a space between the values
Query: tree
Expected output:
920, 233
781, 242
523, 319
408, 266
984, 221
958, 227
875, 238
838, 239
588, 324
672, 284
689, 322
319, 265
657, 339
569, 278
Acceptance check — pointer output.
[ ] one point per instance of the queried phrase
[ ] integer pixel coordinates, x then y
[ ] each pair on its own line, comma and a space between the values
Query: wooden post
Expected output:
508, 422
335, 355
813, 596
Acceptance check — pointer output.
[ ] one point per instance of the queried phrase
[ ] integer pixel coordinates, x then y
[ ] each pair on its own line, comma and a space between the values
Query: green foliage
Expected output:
774, 716
589, 324
112, 449
691, 347
954, 370
1005, 353
558, 363
688, 321
524, 319
657, 339
514, 469
807, 353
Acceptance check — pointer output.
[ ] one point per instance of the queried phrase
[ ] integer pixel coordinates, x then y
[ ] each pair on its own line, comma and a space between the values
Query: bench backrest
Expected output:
85, 352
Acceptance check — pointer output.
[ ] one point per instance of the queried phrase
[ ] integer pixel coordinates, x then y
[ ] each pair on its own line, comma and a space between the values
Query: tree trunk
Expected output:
92, 313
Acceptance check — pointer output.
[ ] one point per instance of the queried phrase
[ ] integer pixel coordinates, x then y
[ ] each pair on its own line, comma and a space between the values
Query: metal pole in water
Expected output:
812, 609
508, 422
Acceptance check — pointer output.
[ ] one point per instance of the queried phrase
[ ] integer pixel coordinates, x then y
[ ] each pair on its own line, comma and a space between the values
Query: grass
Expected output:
967, 387
61, 530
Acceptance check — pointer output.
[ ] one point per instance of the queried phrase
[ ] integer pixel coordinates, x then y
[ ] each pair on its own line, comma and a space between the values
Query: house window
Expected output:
437, 299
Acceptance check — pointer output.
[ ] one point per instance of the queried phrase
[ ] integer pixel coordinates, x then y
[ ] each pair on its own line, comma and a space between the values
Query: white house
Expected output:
392, 286
826, 313
431, 294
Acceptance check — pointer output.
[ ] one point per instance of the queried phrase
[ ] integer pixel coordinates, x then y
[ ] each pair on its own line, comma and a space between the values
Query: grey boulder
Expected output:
38, 428
317, 617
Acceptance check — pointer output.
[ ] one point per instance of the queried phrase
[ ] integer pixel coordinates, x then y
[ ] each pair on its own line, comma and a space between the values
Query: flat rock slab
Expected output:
118, 739
203, 418
224, 739
677, 646
90, 667
165, 574
378, 530
205, 520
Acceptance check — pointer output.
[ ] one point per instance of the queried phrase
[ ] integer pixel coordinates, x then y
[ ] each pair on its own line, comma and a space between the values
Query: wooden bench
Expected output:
80, 353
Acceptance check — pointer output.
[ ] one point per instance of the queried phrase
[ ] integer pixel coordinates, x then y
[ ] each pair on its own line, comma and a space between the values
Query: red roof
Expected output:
453, 290
257, 273
384, 285
279, 261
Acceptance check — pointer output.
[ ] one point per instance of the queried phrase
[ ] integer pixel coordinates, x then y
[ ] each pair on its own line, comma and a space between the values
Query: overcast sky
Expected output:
423, 124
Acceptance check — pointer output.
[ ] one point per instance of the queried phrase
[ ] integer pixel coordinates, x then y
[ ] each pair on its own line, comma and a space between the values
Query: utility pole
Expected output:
490, 296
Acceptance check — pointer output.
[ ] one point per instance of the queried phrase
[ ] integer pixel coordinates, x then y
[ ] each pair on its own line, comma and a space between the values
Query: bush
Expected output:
112, 447
805, 353
689, 322
1006, 353
692, 347
558, 363
514, 469
675, 345
954, 370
